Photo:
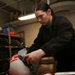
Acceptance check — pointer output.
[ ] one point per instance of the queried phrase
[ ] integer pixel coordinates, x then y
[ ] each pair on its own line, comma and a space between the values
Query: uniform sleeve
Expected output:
62, 38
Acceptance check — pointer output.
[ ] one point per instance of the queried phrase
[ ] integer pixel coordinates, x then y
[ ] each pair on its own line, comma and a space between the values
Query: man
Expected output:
55, 38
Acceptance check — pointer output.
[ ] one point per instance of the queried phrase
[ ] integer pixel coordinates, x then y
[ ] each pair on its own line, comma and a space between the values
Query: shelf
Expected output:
13, 47
3, 34
4, 59
10, 44
15, 36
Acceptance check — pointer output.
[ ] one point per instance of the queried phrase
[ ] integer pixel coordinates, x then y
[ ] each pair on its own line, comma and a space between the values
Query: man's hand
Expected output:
34, 56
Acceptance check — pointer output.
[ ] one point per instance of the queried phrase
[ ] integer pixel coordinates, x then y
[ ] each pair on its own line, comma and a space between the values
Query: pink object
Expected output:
48, 74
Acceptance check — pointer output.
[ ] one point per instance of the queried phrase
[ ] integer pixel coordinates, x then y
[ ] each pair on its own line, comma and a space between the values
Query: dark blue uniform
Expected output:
57, 39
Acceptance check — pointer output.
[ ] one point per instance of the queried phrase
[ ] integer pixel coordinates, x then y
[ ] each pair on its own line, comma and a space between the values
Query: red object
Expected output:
12, 33
47, 74
19, 35
15, 57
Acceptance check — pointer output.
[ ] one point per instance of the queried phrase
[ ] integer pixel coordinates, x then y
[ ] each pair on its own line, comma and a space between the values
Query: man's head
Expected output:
43, 13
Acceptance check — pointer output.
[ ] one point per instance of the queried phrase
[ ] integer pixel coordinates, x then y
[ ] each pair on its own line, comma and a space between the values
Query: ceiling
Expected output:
23, 7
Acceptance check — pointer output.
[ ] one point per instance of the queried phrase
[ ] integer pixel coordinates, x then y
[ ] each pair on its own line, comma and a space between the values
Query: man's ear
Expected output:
49, 11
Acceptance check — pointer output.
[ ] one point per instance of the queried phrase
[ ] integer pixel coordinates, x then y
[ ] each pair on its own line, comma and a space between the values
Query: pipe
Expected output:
48, 2
9, 4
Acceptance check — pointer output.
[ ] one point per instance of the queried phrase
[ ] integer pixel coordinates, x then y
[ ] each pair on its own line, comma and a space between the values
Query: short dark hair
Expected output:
43, 6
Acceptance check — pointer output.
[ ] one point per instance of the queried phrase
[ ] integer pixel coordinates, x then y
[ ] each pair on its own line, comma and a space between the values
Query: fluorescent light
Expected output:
26, 17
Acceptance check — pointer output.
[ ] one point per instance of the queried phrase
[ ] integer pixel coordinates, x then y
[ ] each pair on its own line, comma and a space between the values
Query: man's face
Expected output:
43, 17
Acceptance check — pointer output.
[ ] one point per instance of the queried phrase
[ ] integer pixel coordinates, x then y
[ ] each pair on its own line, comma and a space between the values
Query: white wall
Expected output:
31, 32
